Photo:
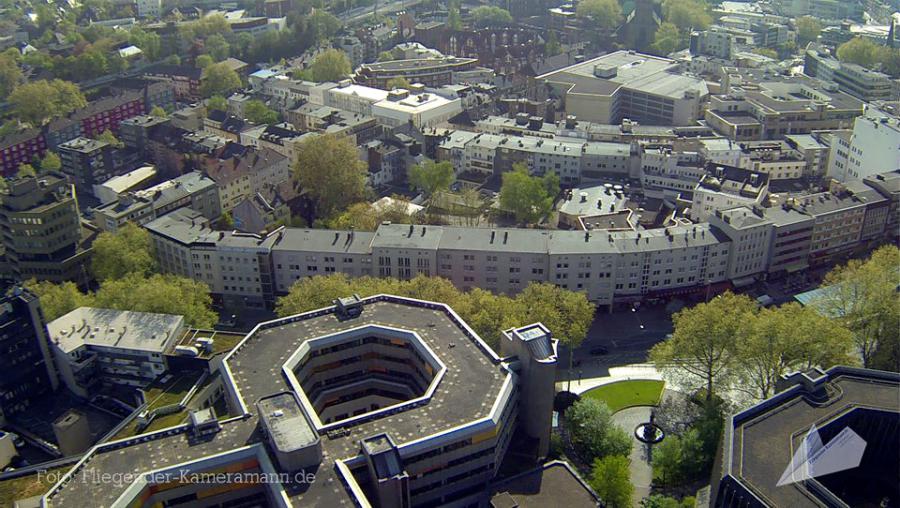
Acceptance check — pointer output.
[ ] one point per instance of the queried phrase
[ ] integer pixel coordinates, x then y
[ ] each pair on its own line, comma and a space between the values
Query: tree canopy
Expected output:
363, 216
808, 29
51, 162
869, 54
667, 39
398, 82
330, 65
329, 169
257, 112
128, 251
592, 431
432, 177
687, 14
528, 198
606, 13
219, 79
40, 101
58, 299
486, 313
611, 479
491, 15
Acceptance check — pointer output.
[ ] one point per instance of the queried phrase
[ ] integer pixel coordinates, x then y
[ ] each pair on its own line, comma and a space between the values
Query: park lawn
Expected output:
623, 394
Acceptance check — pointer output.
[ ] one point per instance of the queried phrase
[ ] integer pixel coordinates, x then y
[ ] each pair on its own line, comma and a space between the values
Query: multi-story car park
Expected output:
414, 409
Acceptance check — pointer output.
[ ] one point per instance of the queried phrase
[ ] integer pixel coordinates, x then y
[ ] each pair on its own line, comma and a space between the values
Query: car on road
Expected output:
599, 351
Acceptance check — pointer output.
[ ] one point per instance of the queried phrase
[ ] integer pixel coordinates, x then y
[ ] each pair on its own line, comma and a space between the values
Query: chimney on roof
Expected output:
505, 237
411, 227
493, 233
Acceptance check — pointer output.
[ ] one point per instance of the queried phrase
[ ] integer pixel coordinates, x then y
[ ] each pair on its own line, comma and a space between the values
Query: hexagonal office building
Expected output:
382, 401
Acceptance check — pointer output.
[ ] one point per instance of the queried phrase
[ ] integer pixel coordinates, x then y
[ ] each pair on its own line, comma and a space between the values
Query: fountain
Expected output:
649, 432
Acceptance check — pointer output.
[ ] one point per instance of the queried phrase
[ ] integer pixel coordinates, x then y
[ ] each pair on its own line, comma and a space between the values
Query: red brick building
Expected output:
20, 148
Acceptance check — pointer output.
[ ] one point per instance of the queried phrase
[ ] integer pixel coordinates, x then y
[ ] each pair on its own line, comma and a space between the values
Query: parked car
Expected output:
599, 351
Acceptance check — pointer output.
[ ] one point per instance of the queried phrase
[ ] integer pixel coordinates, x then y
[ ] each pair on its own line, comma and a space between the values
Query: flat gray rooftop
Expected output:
144, 331
467, 392
286, 422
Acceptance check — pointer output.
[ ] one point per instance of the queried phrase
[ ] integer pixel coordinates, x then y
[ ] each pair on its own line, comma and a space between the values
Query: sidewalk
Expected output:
621, 373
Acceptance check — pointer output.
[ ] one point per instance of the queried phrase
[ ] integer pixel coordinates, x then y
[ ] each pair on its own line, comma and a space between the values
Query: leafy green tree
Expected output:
58, 299
166, 294
227, 220
488, 314
323, 25
660, 501
808, 29
870, 54
219, 79
703, 343
204, 27
10, 74
454, 22
529, 198
257, 112
687, 14
108, 137
386, 56
862, 295
203, 61
491, 15
552, 47
681, 459
667, 39
611, 479
330, 65
26, 170
363, 216
117, 255
39, 101
787, 338
217, 103
149, 42
398, 82
607, 14
217, 47
568, 314
329, 169
432, 177
51, 162
594, 435
158, 112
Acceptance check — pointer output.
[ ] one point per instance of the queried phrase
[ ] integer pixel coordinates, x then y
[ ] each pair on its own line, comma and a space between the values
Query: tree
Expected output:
454, 22
219, 79
667, 39
529, 198
25, 171
158, 112
165, 294
594, 435
787, 338
491, 16
607, 14
149, 42
660, 501
870, 54
862, 295
568, 314
10, 74
808, 29
203, 61
128, 251
217, 103
703, 342
51, 162
363, 216
323, 25
58, 299
552, 47
217, 47
432, 177
687, 14
204, 28
398, 82
330, 65
681, 459
108, 137
39, 101
611, 479
257, 112
329, 169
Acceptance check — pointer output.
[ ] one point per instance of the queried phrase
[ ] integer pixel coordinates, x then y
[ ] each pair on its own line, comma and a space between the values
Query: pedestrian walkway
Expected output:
640, 468
621, 373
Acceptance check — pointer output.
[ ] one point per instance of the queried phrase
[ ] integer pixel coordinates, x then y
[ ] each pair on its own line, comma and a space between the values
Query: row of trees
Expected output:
125, 268
567, 314
731, 342
872, 55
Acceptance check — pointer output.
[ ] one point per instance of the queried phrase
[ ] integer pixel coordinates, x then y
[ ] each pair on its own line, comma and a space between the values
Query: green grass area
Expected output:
29, 486
222, 341
160, 394
623, 394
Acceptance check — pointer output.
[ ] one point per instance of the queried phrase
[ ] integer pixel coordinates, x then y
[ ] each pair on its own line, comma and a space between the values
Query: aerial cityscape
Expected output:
450, 253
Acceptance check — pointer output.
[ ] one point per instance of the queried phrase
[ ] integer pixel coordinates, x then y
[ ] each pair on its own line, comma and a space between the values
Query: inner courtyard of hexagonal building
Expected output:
371, 369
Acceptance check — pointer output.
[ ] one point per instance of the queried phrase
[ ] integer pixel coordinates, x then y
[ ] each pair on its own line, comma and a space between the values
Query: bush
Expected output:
593, 433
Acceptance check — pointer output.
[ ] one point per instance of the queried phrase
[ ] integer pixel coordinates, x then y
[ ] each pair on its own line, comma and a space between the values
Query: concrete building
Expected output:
93, 345
194, 190
111, 189
856, 80
88, 162
625, 84
668, 173
758, 471
241, 172
430, 71
387, 423
726, 187
41, 229
873, 147
27, 373
421, 110
838, 227
149, 8
754, 110
750, 232
716, 41
791, 239
888, 184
